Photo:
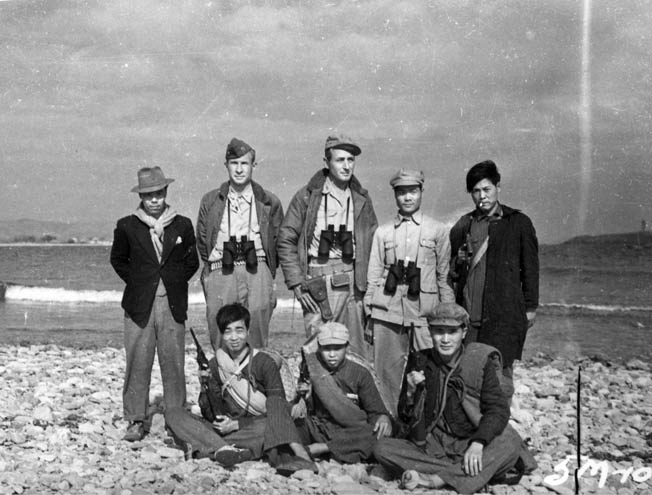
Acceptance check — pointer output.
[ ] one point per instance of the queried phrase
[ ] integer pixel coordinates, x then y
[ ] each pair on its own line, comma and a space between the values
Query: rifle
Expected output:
461, 269
204, 374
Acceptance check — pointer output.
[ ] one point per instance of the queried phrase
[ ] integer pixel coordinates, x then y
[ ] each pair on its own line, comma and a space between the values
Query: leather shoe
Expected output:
135, 431
228, 456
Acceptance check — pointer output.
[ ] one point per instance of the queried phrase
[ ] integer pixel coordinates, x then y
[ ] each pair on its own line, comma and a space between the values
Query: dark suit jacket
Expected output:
134, 259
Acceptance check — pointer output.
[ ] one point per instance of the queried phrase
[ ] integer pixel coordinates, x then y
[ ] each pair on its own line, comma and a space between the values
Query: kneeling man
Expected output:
243, 404
346, 415
456, 413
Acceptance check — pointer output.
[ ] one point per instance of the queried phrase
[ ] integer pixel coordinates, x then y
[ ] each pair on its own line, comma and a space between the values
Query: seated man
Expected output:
346, 414
243, 404
455, 411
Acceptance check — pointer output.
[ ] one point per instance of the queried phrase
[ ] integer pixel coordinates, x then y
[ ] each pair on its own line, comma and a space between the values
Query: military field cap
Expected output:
407, 178
340, 141
237, 148
448, 315
151, 179
332, 333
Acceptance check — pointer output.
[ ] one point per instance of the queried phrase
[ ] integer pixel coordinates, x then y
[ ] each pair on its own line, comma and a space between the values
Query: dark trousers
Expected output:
161, 335
258, 434
443, 455
348, 445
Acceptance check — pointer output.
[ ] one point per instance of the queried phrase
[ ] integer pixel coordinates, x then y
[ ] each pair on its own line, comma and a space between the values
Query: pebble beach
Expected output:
61, 432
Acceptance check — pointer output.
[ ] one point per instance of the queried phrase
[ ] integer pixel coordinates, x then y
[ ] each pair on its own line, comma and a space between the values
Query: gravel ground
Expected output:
61, 430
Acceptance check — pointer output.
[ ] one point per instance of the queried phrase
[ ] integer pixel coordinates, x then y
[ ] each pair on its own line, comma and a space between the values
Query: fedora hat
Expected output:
151, 179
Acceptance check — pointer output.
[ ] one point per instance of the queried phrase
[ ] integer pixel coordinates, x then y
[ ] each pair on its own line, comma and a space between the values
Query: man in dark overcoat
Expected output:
495, 269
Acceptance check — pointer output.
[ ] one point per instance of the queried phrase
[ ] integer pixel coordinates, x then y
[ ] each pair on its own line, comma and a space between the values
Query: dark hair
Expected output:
230, 313
480, 171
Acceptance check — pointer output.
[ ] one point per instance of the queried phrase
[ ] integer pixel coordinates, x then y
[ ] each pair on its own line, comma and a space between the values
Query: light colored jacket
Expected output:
433, 256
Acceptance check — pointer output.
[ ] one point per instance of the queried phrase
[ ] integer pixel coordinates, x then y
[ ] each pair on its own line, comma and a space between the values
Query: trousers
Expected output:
346, 305
161, 335
391, 349
443, 455
255, 291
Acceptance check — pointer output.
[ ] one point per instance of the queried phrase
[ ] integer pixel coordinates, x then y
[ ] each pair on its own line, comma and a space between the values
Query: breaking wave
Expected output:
14, 292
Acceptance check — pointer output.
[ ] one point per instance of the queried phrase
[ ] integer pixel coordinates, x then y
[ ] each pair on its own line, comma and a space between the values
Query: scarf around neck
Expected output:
156, 225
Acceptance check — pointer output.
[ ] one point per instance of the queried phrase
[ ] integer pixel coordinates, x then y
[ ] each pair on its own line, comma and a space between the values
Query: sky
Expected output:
90, 91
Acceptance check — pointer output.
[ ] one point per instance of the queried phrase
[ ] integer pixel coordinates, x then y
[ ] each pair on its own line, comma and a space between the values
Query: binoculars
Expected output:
242, 250
332, 238
401, 274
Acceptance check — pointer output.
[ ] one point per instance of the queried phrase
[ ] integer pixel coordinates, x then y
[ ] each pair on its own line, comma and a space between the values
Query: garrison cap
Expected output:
332, 333
340, 141
448, 314
407, 178
237, 148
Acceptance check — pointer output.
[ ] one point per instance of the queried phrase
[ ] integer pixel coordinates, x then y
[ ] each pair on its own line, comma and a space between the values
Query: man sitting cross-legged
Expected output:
345, 413
244, 409
456, 413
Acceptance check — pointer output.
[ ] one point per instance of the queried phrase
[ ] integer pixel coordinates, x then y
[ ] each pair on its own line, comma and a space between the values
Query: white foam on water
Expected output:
61, 295
598, 308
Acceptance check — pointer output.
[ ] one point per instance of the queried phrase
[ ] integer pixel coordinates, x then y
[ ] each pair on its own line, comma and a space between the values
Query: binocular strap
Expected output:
348, 203
251, 207
405, 244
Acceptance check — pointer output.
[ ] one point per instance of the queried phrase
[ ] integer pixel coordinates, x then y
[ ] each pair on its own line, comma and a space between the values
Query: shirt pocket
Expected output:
428, 265
389, 252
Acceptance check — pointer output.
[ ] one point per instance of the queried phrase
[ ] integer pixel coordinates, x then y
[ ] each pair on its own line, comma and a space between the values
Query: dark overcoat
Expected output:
511, 283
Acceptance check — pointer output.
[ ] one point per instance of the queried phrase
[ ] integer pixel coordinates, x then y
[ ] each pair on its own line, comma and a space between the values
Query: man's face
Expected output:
408, 199
485, 196
332, 355
234, 338
240, 169
447, 340
154, 202
340, 166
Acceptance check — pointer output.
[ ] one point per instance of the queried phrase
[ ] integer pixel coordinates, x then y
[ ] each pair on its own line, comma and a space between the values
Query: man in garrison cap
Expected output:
455, 414
237, 228
406, 280
155, 253
324, 243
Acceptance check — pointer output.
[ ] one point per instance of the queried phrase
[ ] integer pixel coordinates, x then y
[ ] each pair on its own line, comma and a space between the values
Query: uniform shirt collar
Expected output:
247, 193
416, 218
496, 214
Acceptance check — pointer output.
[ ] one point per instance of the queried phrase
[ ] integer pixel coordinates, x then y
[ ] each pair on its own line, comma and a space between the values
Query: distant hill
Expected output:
630, 251
29, 230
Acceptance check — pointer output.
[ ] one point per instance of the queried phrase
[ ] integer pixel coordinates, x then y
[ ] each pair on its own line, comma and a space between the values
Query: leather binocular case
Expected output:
399, 274
242, 250
341, 238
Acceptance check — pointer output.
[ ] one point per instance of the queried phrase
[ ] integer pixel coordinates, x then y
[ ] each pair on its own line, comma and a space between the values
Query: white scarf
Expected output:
237, 386
156, 225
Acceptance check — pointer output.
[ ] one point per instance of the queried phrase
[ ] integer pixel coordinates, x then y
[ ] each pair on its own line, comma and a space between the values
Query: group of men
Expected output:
412, 330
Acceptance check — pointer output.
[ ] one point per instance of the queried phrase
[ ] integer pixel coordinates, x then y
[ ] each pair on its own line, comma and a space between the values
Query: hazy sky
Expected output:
92, 91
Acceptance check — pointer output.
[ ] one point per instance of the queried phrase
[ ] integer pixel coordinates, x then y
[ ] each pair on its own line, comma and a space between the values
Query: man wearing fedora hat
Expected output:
324, 243
154, 252
407, 278
237, 227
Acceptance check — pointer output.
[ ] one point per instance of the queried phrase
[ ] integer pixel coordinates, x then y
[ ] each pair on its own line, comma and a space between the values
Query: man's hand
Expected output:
299, 410
473, 459
383, 427
414, 378
531, 316
306, 300
225, 425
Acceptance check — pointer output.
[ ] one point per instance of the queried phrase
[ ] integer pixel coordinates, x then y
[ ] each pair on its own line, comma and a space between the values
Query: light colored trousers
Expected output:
161, 335
255, 291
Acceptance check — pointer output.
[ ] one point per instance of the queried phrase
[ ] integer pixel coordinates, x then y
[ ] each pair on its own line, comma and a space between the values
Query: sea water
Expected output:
74, 287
